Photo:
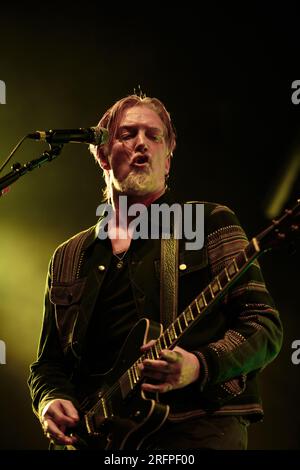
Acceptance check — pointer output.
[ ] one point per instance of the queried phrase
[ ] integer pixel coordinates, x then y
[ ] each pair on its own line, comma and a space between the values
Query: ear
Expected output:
103, 157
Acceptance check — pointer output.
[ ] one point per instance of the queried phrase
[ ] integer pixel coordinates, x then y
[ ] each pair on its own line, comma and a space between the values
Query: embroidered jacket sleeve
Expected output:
254, 336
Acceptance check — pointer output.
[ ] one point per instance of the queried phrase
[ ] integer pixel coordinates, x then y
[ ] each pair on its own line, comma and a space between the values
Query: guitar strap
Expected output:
168, 280
65, 270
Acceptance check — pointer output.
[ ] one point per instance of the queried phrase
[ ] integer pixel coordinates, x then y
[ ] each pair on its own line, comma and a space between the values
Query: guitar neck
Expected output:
199, 307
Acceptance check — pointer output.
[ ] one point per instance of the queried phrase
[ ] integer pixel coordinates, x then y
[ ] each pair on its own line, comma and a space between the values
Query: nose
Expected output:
141, 142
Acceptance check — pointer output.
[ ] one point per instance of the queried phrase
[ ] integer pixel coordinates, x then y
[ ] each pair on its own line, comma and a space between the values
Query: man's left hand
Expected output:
175, 369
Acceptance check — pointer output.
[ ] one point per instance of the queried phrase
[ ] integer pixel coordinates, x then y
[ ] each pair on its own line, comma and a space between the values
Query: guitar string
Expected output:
107, 395
110, 392
112, 389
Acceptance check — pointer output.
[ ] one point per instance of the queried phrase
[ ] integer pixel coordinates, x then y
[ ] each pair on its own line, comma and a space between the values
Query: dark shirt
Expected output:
114, 316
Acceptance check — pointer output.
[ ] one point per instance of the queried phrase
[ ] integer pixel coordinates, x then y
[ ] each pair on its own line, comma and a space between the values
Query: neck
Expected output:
145, 199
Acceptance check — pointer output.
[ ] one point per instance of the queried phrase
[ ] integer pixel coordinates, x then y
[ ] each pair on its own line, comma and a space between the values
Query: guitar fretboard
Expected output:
198, 307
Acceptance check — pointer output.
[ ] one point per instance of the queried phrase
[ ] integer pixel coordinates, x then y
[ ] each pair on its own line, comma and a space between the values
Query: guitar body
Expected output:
120, 415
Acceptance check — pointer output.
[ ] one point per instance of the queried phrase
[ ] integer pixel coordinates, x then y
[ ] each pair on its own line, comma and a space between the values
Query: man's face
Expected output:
139, 160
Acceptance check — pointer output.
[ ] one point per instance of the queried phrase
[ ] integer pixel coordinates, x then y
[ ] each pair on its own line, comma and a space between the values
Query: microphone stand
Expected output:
20, 170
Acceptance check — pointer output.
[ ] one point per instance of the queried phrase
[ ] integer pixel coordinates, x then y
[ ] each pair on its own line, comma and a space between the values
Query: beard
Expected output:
137, 182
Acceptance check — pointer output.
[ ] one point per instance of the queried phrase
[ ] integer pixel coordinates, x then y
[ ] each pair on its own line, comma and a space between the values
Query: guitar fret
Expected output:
133, 371
165, 343
140, 359
167, 339
197, 306
204, 299
191, 312
174, 331
104, 408
227, 275
137, 371
159, 347
238, 261
218, 282
170, 335
185, 321
130, 379
134, 375
156, 351
211, 291
179, 325
223, 281
176, 328
151, 354
241, 259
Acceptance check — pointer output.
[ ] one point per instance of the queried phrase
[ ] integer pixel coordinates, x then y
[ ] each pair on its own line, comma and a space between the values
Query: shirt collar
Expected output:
166, 198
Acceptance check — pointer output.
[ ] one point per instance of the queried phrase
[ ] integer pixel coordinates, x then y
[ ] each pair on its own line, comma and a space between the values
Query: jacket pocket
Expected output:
66, 299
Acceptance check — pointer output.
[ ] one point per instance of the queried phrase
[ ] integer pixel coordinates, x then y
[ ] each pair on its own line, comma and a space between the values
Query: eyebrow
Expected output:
133, 126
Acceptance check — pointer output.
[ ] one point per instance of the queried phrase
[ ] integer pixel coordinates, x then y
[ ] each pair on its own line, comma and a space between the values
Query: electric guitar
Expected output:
119, 415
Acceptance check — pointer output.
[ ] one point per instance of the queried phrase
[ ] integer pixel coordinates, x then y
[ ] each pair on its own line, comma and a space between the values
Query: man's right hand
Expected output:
56, 417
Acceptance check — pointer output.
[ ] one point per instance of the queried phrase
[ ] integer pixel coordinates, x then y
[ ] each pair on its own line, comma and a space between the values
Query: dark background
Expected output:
225, 75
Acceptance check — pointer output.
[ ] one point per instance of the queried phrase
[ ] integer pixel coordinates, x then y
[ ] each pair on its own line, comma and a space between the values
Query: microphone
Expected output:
88, 135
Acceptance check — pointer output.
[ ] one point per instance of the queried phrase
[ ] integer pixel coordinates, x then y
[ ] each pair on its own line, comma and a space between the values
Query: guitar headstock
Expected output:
283, 230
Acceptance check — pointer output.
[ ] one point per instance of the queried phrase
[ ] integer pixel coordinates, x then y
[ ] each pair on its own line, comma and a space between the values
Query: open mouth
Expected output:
140, 160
